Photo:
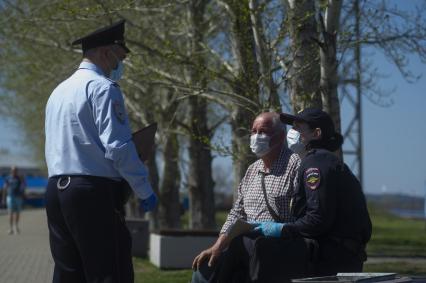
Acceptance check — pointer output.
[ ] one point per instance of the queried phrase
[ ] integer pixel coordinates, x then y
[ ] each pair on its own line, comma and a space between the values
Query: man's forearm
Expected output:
222, 242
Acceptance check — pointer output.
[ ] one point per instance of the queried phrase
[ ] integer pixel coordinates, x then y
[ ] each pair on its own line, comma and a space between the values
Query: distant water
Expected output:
406, 213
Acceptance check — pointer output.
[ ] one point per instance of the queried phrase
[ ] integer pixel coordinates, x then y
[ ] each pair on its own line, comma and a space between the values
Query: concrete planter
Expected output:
139, 229
177, 249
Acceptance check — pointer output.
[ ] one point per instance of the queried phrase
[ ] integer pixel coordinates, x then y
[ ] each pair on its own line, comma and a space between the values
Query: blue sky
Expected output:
394, 138
13, 149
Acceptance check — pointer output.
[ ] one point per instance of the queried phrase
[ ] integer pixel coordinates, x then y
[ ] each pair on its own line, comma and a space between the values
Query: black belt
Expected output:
64, 179
121, 194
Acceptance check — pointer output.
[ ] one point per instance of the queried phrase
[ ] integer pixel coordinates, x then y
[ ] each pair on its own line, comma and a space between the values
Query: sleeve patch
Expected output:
312, 178
119, 111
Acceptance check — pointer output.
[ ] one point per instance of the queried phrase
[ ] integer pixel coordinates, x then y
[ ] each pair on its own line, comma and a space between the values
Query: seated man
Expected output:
263, 197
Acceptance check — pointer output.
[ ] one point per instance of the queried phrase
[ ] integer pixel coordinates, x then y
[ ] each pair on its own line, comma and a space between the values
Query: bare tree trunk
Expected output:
246, 85
329, 65
268, 88
169, 208
200, 180
201, 184
169, 205
304, 70
242, 156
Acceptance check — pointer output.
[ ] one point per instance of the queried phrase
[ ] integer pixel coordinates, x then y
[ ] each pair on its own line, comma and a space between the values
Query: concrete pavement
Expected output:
26, 257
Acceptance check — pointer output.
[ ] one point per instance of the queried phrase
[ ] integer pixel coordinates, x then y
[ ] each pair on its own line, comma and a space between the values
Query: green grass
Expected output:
145, 272
392, 237
400, 267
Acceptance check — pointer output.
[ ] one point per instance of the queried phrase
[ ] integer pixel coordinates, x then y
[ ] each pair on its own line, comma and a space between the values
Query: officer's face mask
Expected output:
117, 73
294, 143
259, 144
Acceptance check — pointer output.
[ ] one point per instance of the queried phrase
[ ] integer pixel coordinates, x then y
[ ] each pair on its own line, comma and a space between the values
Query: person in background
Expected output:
13, 192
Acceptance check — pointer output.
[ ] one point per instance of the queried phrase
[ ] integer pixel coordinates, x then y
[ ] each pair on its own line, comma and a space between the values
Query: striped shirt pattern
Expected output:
250, 204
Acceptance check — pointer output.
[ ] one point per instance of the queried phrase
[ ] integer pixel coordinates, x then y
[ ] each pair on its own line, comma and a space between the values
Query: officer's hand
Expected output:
150, 203
210, 254
269, 229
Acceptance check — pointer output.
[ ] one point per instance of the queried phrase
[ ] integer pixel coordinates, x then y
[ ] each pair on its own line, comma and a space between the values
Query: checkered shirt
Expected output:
250, 204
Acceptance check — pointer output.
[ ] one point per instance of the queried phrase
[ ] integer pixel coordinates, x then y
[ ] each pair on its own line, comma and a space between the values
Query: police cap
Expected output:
113, 34
314, 117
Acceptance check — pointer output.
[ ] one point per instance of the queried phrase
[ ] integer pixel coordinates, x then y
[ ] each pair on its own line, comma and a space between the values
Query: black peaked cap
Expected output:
314, 117
113, 34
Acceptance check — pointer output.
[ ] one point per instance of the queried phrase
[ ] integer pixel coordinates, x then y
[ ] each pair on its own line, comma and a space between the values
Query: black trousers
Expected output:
334, 257
88, 236
270, 260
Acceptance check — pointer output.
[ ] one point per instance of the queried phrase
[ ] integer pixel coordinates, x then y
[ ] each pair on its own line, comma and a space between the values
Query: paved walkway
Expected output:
25, 257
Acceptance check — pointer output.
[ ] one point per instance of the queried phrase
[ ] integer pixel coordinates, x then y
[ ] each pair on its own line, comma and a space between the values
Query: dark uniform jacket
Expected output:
328, 203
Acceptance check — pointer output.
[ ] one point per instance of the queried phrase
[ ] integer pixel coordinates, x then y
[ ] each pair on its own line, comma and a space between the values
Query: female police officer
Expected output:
328, 202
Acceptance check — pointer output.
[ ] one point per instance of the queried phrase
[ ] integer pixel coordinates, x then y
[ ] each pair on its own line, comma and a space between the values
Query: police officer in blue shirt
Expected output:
90, 158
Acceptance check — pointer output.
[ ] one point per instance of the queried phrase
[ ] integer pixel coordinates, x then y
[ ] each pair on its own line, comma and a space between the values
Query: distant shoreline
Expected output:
408, 213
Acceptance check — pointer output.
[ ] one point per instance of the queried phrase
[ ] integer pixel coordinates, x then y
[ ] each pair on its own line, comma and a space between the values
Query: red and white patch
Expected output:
312, 178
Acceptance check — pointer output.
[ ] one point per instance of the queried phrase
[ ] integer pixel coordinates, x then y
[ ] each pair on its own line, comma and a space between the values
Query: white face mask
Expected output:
294, 143
259, 144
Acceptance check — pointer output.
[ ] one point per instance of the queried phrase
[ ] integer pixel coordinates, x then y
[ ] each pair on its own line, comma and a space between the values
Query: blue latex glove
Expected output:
149, 204
269, 229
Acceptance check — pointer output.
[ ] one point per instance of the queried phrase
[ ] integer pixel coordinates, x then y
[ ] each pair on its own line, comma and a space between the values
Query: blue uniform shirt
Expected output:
88, 133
